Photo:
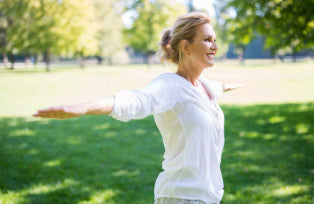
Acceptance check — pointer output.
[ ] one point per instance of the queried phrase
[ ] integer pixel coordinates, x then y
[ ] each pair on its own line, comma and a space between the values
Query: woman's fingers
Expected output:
52, 112
235, 86
229, 87
240, 85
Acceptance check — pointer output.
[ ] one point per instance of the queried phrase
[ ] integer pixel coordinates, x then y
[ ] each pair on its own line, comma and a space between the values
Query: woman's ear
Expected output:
185, 47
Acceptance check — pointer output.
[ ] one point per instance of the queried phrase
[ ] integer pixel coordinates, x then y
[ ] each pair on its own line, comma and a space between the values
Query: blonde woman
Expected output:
186, 112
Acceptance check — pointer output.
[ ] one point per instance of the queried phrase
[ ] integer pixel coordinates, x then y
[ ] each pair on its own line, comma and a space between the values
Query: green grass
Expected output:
268, 154
266, 159
86, 160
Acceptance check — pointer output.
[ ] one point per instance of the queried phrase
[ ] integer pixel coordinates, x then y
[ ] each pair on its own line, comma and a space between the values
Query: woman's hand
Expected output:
61, 112
99, 107
229, 87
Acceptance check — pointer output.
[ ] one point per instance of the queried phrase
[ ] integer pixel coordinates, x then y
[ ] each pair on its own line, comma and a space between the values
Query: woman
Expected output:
185, 109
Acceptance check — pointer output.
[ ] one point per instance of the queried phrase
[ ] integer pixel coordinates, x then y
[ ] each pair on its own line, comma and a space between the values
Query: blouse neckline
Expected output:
203, 83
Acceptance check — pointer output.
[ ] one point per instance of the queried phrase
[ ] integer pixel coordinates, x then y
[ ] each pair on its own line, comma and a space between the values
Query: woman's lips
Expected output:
210, 55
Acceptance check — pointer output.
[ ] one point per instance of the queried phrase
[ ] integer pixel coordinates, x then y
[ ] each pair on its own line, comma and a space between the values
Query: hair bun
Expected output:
166, 37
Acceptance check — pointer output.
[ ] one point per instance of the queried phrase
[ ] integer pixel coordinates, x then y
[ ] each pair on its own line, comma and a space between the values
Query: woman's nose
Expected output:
214, 46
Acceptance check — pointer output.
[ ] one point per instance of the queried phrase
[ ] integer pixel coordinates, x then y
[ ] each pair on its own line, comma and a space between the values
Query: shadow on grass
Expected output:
267, 157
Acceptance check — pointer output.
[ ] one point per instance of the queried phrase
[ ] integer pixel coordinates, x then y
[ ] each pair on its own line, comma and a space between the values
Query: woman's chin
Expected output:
210, 64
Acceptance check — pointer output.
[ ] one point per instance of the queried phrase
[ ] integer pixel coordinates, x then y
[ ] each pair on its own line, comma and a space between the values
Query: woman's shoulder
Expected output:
166, 75
166, 79
165, 84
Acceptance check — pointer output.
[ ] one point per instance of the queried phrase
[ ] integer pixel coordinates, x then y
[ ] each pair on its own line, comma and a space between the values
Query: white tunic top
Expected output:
192, 129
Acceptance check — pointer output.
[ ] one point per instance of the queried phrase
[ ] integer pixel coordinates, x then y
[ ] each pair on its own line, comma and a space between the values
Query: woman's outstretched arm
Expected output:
100, 107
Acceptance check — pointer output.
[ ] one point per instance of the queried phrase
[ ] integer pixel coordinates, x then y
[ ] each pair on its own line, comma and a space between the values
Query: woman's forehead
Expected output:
205, 30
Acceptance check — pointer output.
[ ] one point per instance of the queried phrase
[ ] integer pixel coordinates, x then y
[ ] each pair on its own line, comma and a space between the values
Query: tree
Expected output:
62, 27
287, 25
152, 18
47, 27
12, 13
221, 29
109, 35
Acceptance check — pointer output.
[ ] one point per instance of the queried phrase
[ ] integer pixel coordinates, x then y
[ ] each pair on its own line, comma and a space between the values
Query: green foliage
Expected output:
287, 25
152, 18
63, 28
12, 26
109, 27
221, 29
221, 40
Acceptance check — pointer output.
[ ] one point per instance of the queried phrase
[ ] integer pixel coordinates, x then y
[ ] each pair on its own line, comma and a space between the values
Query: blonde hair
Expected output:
184, 28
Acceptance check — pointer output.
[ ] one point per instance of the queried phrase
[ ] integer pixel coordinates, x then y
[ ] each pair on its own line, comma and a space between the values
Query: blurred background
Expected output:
41, 33
59, 52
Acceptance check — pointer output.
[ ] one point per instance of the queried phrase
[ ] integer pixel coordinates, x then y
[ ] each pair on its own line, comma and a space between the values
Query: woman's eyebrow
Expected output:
209, 36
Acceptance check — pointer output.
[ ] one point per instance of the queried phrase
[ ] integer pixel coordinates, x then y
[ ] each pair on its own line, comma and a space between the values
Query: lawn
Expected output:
268, 154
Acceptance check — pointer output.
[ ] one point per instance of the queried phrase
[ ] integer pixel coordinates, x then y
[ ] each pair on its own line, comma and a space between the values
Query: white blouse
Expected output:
192, 129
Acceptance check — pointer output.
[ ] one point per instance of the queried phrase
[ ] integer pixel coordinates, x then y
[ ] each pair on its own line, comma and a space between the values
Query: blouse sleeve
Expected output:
158, 96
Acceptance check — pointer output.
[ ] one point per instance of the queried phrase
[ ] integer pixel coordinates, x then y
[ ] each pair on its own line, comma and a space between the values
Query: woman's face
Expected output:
203, 47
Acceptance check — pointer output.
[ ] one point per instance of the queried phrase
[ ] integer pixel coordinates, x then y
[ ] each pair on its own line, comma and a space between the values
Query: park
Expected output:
266, 159
268, 152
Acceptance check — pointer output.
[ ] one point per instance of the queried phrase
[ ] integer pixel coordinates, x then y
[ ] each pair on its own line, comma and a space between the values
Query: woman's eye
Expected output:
210, 40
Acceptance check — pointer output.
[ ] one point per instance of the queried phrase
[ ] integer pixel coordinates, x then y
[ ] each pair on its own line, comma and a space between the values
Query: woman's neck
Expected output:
190, 72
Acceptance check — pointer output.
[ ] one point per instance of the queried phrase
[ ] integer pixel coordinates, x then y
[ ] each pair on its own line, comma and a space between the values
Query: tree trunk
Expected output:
47, 59
81, 61
27, 61
99, 60
278, 58
35, 60
224, 57
241, 55
6, 62
145, 58
109, 61
12, 60
294, 57
150, 60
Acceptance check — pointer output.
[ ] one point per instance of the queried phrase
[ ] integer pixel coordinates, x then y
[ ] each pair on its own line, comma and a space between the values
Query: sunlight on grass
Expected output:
102, 126
276, 119
289, 190
126, 173
21, 196
100, 197
302, 128
52, 163
22, 132
245, 154
46, 188
269, 136
140, 131
32, 152
10, 197
252, 134
110, 134
73, 140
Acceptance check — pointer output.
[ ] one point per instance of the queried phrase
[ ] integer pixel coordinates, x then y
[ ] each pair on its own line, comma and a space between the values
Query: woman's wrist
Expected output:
100, 107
